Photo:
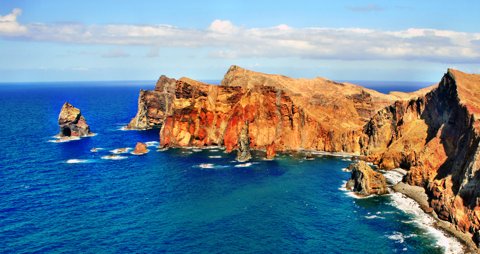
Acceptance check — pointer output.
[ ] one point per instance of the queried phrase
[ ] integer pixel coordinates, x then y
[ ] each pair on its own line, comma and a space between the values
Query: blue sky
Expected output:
140, 40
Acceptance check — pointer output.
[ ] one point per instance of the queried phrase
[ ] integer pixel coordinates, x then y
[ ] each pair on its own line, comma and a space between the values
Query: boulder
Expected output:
140, 148
365, 180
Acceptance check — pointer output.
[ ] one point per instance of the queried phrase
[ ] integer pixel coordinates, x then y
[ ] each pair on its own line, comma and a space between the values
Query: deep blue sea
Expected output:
63, 198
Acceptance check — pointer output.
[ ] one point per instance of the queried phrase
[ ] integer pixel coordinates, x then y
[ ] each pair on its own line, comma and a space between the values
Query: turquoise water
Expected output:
60, 197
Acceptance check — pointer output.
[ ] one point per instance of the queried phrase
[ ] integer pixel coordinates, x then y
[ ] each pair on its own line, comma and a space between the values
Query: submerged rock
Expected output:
140, 148
72, 123
365, 180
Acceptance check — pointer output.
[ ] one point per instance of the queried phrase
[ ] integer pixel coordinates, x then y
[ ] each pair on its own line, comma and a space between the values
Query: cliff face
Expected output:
281, 113
436, 138
434, 133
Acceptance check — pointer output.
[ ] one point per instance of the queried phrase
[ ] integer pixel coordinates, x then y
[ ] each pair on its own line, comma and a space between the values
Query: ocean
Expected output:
61, 197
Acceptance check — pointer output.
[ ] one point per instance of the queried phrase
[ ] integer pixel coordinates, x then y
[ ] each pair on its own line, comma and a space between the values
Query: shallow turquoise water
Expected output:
176, 201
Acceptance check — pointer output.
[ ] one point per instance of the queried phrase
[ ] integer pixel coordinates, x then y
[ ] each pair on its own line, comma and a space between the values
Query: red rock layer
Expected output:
282, 113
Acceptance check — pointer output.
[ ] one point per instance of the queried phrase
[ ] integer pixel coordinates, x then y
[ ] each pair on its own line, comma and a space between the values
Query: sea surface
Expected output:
63, 198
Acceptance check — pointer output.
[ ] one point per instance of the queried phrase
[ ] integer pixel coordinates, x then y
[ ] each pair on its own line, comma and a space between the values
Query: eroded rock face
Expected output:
72, 123
281, 113
365, 181
243, 152
436, 137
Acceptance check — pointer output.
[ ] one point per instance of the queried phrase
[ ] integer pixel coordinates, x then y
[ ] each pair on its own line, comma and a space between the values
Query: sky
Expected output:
56, 40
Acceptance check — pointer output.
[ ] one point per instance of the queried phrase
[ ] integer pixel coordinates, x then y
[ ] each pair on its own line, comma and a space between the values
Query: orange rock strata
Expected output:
433, 133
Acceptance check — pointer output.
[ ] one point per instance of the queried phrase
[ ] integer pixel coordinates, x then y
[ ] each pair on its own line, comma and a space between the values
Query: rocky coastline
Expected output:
432, 133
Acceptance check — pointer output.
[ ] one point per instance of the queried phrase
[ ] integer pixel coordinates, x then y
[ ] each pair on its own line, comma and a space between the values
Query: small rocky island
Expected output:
72, 123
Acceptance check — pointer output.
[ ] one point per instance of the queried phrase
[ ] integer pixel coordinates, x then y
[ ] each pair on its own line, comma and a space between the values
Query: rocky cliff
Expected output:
433, 133
436, 138
281, 113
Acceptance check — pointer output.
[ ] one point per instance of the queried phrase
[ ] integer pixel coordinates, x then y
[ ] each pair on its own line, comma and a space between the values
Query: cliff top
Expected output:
344, 105
468, 90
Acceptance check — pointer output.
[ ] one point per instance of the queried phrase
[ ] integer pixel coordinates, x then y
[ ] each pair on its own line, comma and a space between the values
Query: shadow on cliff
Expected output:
451, 122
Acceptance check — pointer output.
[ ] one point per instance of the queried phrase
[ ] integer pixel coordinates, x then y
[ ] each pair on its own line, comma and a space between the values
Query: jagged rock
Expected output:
243, 153
293, 114
434, 132
72, 123
271, 151
365, 181
140, 148
436, 137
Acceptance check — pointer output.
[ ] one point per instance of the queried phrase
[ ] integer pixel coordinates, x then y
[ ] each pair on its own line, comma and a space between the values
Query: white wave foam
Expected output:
152, 143
215, 156
345, 156
394, 176
448, 243
63, 139
113, 157
210, 166
243, 165
370, 217
96, 149
399, 237
346, 170
351, 193
196, 150
134, 153
75, 161
213, 150
121, 150
206, 165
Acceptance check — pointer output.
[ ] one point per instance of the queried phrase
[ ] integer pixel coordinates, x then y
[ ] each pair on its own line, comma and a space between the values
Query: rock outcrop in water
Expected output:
140, 148
433, 133
365, 181
72, 123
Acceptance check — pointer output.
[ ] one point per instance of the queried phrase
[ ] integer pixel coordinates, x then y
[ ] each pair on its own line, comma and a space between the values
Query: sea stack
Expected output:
72, 123
140, 148
365, 181
243, 152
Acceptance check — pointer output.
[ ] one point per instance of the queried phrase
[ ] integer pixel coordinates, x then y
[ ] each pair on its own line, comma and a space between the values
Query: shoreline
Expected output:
418, 195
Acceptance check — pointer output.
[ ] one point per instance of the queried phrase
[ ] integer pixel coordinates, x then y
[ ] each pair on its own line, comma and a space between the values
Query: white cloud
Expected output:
222, 27
223, 39
9, 25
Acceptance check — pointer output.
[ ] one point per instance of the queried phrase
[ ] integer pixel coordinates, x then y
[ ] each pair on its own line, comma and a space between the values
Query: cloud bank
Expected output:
224, 39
